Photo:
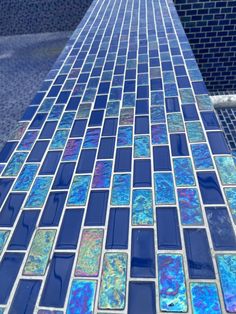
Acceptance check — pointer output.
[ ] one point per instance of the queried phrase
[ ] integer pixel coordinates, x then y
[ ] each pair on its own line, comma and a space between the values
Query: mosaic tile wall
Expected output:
227, 118
118, 190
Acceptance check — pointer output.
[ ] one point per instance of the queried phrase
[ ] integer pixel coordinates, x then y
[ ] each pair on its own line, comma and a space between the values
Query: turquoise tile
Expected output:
157, 98
175, 123
83, 111
125, 134
92, 138
89, 95
186, 96
112, 291
82, 297
14, 165
113, 108
164, 188
142, 207
183, 171
129, 100
230, 194
141, 146
28, 140
102, 174
172, 287
79, 190
195, 132
158, 114
226, 168
72, 149
204, 102
46, 105
26, 177
4, 234
201, 156
56, 112
121, 189
66, 120
159, 134
38, 192
190, 208
59, 139
205, 299
227, 271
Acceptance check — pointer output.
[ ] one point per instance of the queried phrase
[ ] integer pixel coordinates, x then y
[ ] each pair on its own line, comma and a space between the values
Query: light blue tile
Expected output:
121, 189
164, 188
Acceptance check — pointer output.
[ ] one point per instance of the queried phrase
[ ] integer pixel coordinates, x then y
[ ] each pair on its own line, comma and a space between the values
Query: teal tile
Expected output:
38, 192
125, 134
183, 171
204, 102
141, 146
175, 123
142, 207
59, 139
195, 132
4, 234
26, 177
186, 96
158, 114
121, 189
79, 190
164, 188
201, 157
113, 108
230, 194
226, 168
14, 165
83, 111
66, 120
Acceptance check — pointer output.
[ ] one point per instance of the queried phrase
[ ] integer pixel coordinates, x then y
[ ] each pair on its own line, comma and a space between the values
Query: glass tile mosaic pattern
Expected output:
117, 189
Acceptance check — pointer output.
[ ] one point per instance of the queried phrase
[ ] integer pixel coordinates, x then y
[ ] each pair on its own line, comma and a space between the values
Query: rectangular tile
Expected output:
123, 159
142, 207
142, 173
201, 156
164, 188
120, 194
79, 190
26, 177
226, 168
161, 158
14, 165
142, 297
230, 194
11, 209
97, 208
183, 171
141, 146
102, 174
38, 192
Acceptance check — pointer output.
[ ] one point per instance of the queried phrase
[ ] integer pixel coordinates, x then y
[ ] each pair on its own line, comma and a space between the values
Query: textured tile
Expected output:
72, 149
59, 139
142, 207
226, 168
195, 132
175, 123
38, 192
14, 165
79, 190
141, 146
102, 174
26, 177
230, 194
4, 234
164, 188
121, 189
159, 134
183, 171
201, 156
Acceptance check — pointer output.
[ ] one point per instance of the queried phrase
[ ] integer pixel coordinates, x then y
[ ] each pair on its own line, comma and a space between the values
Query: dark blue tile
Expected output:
172, 104
38, 151
7, 150
48, 130
9, 268
70, 229
143, 253
129, 86
161, 158
190, 112
210, 121
179, 145
11, 209
130, 74
50, 163
54, 91
143, 92
210, 188
123, 160
86, 161
25, 296
106, 148
199, 259
110, 127
29, 113
63, 97
53, 209
199, 88
180, 70
63, 176
5, 185
38, 98
100, 102
142, 173
73, 103
118, 229
156, 84
57, 280
183, 82
38, 121
222, 232
218, 143
142, 298
141, 125
142, 106
168, 235
96, 117
78, 128
103, 88
97, 207
24, 230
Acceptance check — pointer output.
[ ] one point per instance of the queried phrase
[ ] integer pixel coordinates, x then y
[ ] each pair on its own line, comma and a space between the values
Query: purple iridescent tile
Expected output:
102, 174
172, 287
159, 134
127, 116
19, 131
82, 297
190, 208
72, 149
28, 140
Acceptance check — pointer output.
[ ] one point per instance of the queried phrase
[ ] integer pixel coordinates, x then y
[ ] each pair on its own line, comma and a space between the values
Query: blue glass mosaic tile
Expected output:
15, 163
164, 188
142, 207
183, 171
38, 192
142, 297
121, 189
141, 146
79, 190
26, 177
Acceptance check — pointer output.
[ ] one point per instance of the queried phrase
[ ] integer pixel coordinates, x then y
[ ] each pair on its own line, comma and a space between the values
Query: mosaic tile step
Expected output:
117, 188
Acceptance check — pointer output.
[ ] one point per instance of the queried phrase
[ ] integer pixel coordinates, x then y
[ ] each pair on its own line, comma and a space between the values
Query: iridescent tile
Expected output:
186, 96
19, 130
79, 190
158, 114
113, 108
39, 253
56, 112
126, 116
168, 77
66, 120
82, 297
172, 287
195, 132
170, 90
227, 271
164, 188
230, 194
113, 282
83, 111
59, 139
183, 171
143, 79
142, 207
46, 105
129, 100
125, 134
157, 98
226, 168
38, 192
141, 146
26, 177
204, 102
72, 149
49, 312
190, 208
195, 75
159, 134
28, 140
4, 234
14, 165
121, 189
205, 299
89, 257
201, 156
91, 138
89, 95
102, 174
175, 123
